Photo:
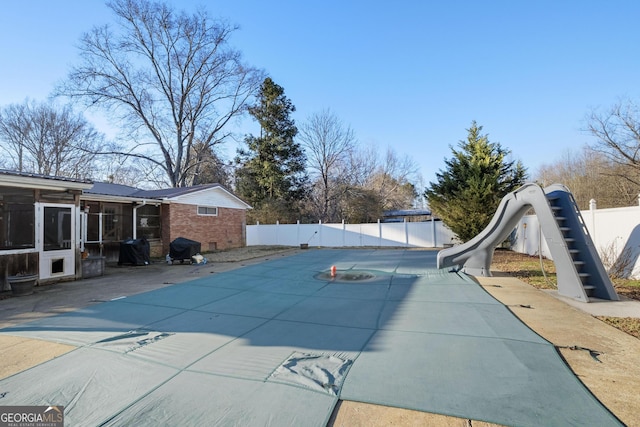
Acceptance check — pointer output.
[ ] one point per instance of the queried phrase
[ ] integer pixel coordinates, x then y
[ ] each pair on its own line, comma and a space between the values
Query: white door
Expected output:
56, 242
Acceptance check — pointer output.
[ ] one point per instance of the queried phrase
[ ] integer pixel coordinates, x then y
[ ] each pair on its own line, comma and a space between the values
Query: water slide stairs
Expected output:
579, 270
585, 263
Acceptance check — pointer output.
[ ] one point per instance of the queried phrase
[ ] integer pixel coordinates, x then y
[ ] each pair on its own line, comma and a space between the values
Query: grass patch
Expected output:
628, 288
528, 269
629, 325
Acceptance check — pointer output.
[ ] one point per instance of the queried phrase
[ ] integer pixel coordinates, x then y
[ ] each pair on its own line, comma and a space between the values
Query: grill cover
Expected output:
135, 252
182, 248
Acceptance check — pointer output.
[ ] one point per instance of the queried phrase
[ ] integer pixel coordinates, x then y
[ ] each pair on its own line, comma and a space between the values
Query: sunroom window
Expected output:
17, 216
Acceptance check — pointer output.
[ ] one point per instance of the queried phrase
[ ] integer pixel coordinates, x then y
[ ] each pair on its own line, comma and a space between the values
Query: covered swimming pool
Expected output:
280, 342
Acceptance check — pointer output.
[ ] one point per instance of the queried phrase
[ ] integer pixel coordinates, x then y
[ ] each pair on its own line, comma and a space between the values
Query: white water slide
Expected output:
580, 273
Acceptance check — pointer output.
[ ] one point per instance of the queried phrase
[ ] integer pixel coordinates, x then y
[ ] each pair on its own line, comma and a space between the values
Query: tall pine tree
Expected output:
467, 194
271, 173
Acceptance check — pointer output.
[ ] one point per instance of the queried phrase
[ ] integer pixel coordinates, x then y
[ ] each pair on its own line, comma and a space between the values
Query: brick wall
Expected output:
156, 249
224, 231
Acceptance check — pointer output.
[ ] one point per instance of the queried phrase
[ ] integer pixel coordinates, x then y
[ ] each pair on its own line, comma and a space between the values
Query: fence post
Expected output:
379, 233
592, 209
406, 232
433, 231
344, 234
319, 232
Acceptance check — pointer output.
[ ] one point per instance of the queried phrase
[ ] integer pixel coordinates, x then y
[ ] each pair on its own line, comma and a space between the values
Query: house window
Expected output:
17, 215
207, 210
148, 218
112, 222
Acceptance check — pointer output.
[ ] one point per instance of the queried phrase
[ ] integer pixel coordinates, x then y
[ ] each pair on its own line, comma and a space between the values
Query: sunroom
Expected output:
39, 225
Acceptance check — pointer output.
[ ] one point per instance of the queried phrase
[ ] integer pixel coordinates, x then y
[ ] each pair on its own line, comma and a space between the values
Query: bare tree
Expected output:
362, 164
590, 175
360, 205
370, 184
168, 78
353, 182
328, 144
617, 133
124, 170
394, 181
49, 140
127, 170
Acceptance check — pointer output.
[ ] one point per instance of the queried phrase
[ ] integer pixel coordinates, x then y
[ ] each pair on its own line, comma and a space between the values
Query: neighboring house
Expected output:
48, 225
208, 214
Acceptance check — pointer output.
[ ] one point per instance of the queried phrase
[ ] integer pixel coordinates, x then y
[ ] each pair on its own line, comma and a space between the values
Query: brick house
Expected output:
209, 214
54, 227
206, 213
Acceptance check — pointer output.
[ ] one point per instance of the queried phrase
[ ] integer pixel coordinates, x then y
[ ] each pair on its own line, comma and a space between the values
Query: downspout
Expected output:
135, 218
84, 216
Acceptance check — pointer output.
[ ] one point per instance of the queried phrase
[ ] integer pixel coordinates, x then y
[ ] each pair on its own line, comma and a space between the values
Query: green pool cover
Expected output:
279, 343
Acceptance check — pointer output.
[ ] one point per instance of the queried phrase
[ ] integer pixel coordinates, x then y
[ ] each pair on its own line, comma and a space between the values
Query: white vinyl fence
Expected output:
615, 233
429, 234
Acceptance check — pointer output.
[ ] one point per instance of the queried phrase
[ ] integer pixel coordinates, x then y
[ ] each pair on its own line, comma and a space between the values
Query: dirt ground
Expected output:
614, 378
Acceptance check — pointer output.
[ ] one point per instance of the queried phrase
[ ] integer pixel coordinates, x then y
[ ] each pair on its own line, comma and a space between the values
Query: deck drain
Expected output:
347, 276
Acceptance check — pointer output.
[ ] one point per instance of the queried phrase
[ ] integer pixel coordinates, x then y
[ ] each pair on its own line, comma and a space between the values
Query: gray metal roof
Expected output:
10, 178
109, 189
173, 192
8, 172
119, 190
126, 193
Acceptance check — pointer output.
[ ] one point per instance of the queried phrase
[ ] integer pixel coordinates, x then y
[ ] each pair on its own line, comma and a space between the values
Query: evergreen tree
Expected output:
467, 194
271, 169
208, 167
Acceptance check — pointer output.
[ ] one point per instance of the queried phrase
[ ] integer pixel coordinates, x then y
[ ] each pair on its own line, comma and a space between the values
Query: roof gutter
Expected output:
42, 183
117, 199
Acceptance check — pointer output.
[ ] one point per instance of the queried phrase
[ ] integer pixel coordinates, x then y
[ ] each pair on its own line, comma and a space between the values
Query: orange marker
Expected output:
333, 271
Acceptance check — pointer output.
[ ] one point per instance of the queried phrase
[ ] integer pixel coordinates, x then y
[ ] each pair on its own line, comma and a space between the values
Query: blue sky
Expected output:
411, 75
